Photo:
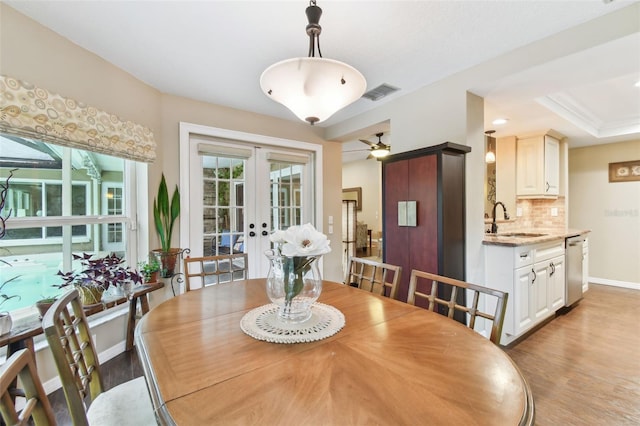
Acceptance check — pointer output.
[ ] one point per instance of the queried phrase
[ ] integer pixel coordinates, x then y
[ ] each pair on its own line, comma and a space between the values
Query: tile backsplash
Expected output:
536, 215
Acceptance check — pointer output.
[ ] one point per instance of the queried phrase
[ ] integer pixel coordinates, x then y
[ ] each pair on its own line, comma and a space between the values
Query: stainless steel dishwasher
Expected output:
574, 258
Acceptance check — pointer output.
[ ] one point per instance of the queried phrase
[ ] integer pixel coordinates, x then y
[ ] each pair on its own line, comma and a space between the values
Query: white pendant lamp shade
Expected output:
313, 88
490, 157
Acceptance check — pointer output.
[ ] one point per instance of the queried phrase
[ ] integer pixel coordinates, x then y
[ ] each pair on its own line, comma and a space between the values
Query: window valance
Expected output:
30, 111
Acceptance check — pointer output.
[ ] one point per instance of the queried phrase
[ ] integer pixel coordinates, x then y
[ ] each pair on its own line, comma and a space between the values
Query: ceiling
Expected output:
215, 51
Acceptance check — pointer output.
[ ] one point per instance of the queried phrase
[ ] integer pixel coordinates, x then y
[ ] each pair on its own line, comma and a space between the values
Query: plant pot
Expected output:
5, 323
90, 295
43, 306
153, 277
167, 260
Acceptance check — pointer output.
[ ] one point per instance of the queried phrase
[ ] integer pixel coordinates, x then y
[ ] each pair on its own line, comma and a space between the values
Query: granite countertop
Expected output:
530, 237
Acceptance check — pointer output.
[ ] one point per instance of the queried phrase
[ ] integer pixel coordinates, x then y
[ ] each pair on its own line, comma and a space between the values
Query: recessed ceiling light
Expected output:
499, 121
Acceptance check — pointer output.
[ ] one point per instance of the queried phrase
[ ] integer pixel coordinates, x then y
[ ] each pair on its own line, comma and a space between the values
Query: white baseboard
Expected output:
615, 283
55, 383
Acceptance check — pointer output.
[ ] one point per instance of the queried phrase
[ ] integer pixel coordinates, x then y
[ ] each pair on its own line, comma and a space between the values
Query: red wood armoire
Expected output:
434, 239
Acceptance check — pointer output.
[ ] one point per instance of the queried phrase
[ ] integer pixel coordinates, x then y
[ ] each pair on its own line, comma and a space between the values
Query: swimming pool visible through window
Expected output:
62, 201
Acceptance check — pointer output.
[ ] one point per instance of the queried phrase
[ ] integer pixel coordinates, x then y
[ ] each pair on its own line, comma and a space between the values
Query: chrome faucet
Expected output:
494, 225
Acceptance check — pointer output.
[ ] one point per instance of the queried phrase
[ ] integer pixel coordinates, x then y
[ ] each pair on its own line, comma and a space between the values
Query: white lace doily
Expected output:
263, 324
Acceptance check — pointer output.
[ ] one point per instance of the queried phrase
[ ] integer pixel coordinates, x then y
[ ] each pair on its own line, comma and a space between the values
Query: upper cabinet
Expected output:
538, 167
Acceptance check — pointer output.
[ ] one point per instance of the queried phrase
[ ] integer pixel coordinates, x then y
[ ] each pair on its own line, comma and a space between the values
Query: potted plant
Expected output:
98, 275
149, 270
44, 304
165, 213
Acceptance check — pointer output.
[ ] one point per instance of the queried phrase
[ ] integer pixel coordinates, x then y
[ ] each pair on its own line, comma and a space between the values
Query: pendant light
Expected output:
490, 156
313, 88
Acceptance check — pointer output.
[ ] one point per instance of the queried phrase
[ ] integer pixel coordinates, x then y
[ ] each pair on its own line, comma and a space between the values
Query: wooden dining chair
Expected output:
21, 365
430, 294
67, 331
373, 276
209, 270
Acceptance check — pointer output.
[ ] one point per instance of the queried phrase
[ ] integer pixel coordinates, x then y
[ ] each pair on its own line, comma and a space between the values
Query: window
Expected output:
59, 201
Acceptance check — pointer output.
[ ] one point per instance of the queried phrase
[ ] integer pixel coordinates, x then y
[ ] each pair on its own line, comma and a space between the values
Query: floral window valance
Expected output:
33, 112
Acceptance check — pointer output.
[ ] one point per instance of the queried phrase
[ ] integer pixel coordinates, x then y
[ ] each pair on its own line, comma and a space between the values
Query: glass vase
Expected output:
293, 284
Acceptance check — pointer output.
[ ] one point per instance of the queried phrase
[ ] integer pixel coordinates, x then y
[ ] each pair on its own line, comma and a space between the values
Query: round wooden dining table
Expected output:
391, 364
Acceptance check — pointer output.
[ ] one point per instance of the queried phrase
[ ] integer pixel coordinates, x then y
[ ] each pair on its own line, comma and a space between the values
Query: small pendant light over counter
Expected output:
490, 156
313, 88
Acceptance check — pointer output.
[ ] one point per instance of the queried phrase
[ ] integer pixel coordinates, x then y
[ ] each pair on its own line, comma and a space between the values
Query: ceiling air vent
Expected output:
380, 92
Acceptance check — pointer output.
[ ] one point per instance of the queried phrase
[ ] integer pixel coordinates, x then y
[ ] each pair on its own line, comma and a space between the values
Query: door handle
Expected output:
548, 186
534, 276
553, 269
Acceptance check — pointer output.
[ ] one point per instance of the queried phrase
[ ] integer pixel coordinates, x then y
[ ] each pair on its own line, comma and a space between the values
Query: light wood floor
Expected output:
583, 367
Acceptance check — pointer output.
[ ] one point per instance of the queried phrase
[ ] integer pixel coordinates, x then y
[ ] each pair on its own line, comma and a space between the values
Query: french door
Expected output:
239, 193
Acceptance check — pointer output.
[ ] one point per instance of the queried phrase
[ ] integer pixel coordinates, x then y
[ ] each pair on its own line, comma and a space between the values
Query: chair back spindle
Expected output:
21, 365
375, 277
494, 298
209, 270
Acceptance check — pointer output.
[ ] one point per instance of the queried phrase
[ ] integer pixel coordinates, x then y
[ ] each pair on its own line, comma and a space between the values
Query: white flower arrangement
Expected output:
297, 247
300, 240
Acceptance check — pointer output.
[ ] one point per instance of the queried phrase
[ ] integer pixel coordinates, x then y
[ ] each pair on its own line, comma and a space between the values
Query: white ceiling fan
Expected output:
376, 149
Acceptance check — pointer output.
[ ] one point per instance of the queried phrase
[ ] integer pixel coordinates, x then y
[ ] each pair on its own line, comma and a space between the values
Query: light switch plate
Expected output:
554, 211
518, 211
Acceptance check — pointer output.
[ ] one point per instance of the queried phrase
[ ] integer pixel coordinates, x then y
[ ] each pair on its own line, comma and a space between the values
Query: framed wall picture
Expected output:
625, 171
353, 194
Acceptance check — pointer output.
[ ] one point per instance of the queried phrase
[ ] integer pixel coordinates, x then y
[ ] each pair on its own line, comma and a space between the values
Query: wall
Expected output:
366, 174
610, 210
44, 58
35, 54
442, 111
176, 109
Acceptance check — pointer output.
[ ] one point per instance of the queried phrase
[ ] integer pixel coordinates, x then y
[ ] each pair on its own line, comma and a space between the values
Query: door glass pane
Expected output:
223, 205
286, 194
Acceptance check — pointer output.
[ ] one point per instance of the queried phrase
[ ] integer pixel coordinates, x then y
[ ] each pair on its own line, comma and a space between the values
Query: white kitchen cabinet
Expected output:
523, 296
533, 276
556, 283
538, 167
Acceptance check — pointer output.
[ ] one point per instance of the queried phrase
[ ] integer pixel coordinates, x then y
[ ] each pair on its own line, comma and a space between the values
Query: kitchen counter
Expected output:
528, 237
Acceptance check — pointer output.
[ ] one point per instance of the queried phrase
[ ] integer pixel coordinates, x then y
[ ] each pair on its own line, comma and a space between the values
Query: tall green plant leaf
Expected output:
175, 210
158, 222
165, 213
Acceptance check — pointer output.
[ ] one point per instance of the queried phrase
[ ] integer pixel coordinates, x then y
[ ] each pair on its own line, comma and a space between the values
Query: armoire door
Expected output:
433, 177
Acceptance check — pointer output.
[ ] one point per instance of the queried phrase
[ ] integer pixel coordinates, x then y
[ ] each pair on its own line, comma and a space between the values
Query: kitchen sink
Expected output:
520, 235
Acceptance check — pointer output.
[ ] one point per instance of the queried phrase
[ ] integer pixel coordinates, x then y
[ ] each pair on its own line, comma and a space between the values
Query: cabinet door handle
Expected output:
534, 276
524, 255
553, 269
548, 186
